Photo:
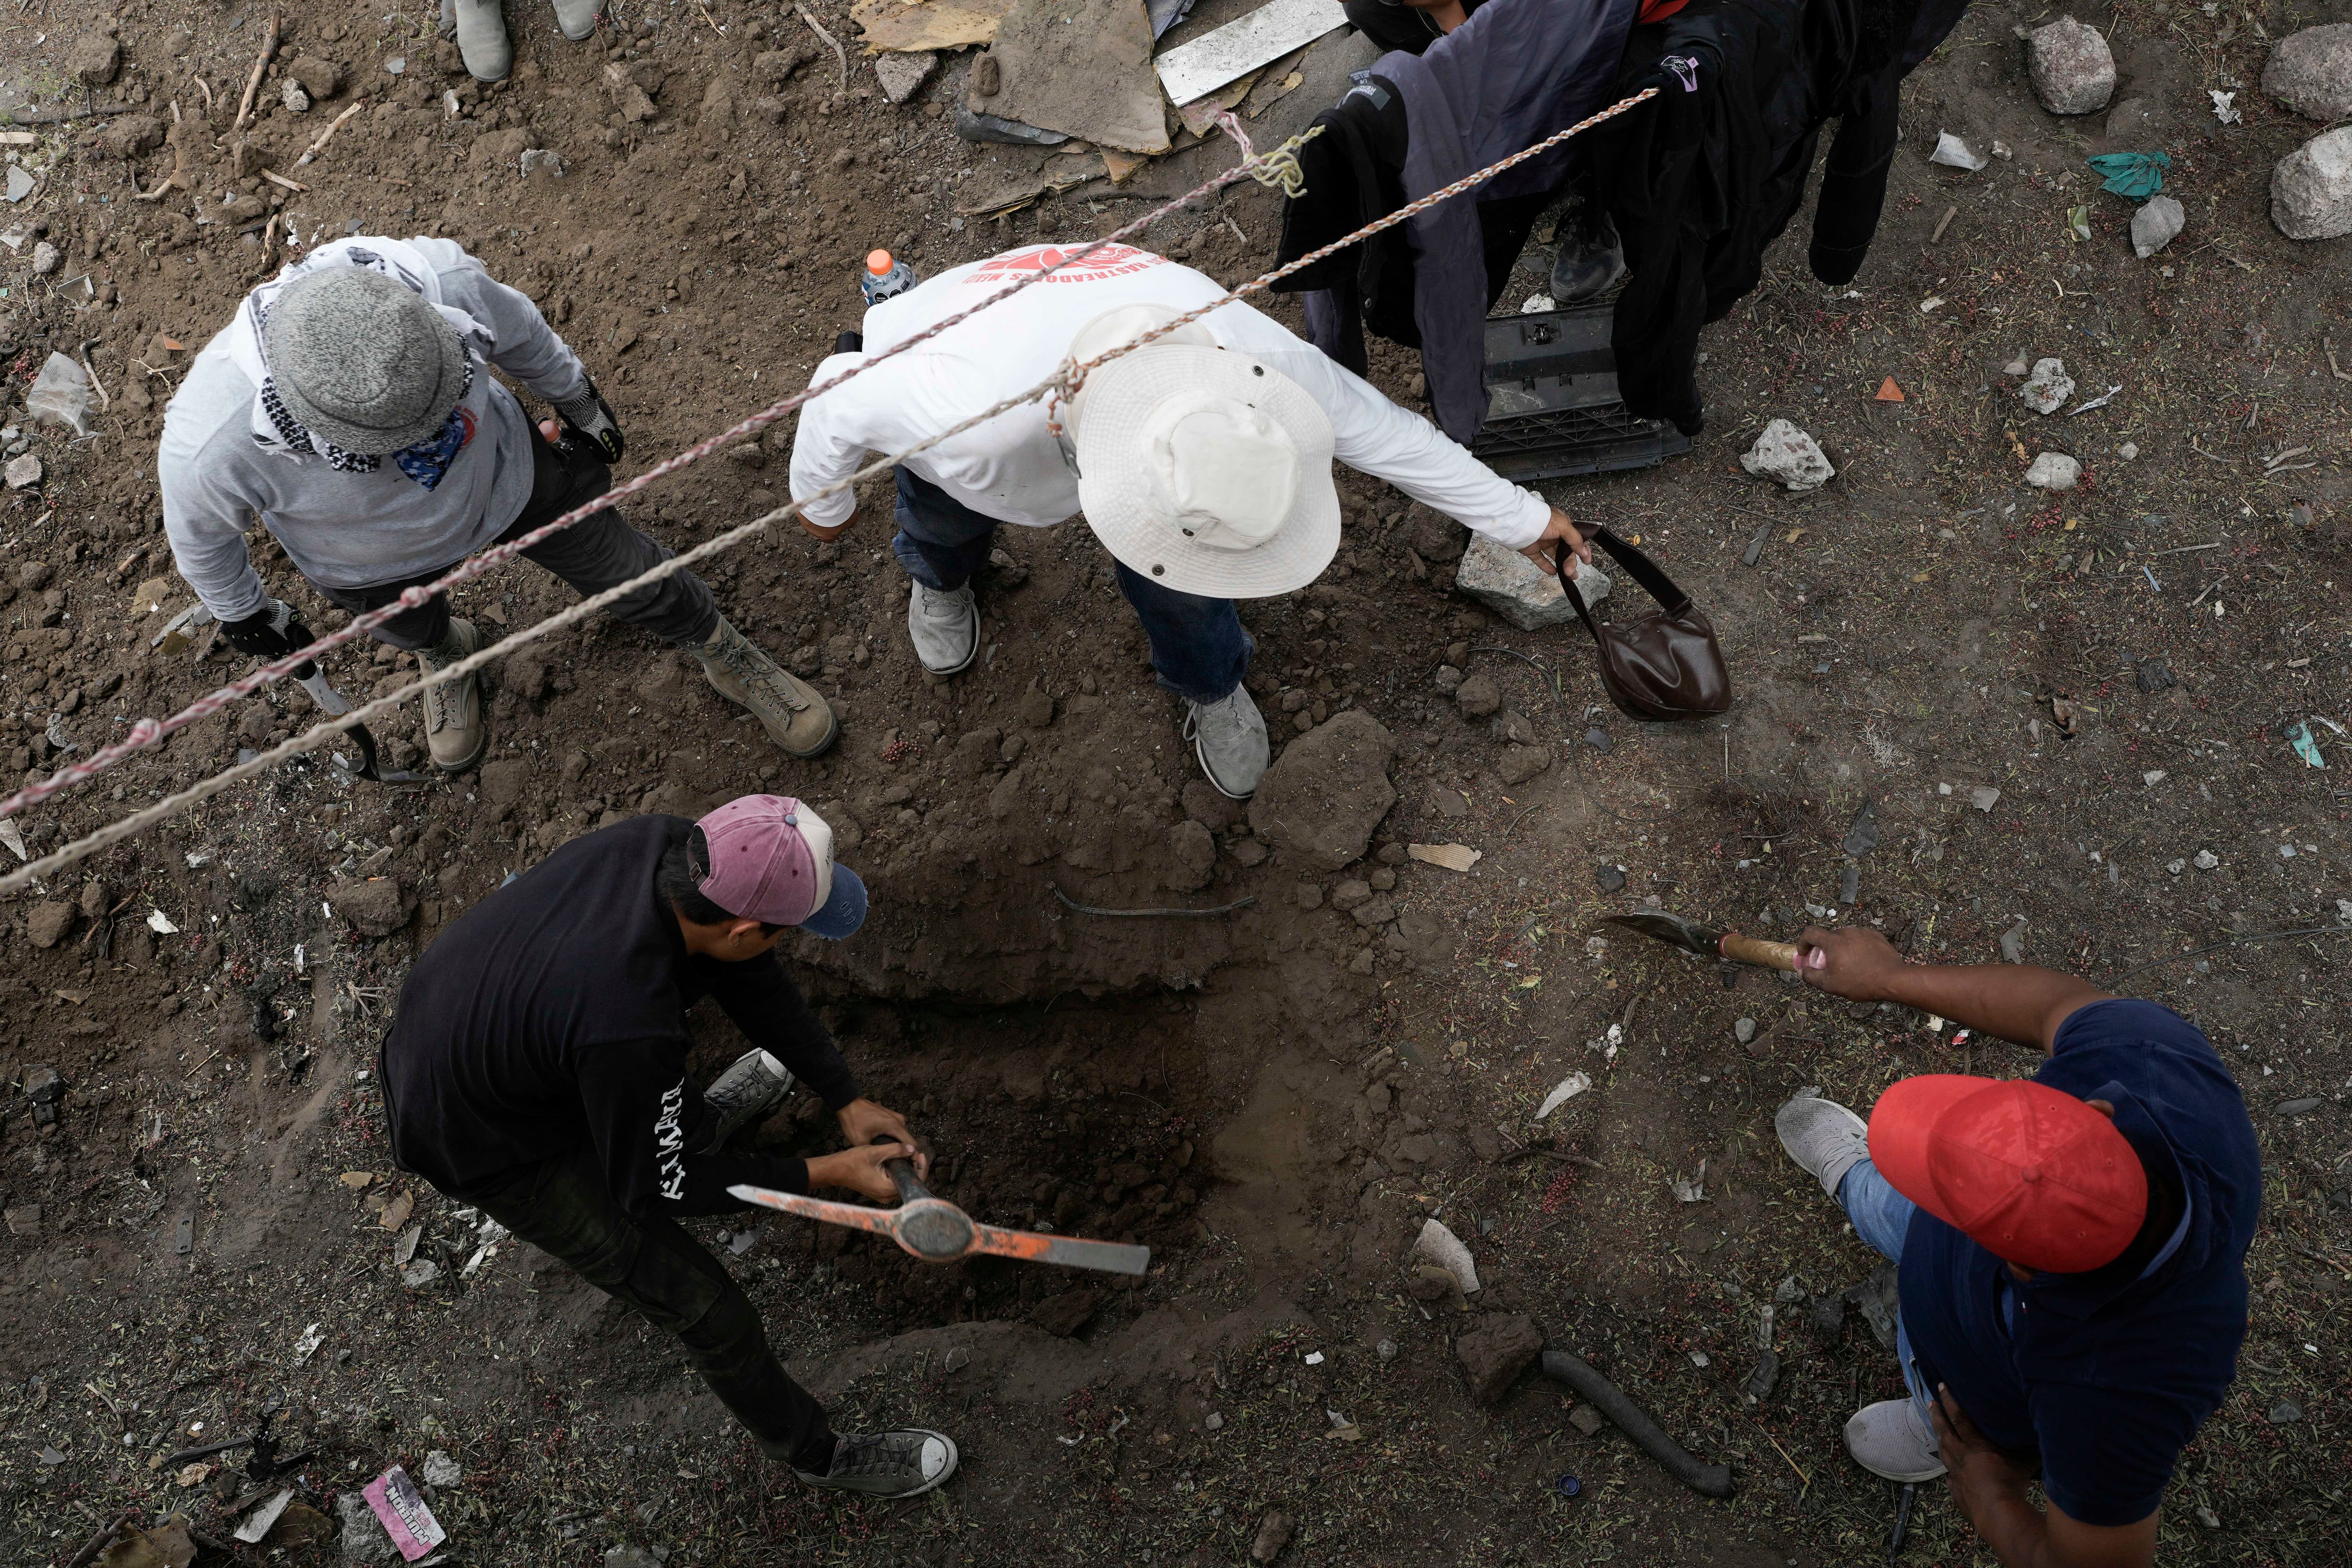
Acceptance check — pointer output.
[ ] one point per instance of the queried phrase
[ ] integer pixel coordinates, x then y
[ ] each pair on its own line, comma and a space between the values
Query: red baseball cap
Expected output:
2034, 1175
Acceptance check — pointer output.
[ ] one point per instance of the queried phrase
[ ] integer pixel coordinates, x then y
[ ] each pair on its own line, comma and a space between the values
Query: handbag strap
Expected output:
1638, 567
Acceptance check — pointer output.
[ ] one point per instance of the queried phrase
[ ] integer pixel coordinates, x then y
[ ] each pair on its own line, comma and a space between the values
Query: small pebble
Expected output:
1597, 739
1214, 1422
1610, 879
1745, 1029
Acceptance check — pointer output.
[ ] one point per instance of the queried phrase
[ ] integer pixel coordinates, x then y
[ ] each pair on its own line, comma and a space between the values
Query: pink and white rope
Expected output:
1062, 385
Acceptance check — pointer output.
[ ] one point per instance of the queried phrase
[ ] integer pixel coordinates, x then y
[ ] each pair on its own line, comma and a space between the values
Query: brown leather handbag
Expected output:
1663, 664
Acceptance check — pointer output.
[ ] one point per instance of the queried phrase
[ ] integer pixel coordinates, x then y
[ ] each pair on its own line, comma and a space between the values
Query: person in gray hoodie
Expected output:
349, 405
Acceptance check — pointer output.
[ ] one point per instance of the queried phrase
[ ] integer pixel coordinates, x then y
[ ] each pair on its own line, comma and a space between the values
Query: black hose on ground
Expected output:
1707, 1480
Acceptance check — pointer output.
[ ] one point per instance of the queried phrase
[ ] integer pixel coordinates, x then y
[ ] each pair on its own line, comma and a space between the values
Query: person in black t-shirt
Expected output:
537, 1069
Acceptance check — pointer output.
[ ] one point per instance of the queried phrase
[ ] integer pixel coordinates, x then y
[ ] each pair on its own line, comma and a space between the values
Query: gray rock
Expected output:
2286, 1412
902, 75
1478, 696
2311, 188
1745, 1030
2071, 67
2157, 225
2303, 1107
1787, 454
2206, 860
44, 260
2048, 388
441, 1470
1586, 1419
46, 924
2012, 944
296, 101
1519, 591
376, 907
1327, 792
2311, 72
2053, 471
1191, 857
1984, 797
1521, 763
1496, 1352
364, 1540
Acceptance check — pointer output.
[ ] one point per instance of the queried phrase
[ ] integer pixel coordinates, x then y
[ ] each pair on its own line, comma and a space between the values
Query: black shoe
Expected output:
905, 1463
1591, 260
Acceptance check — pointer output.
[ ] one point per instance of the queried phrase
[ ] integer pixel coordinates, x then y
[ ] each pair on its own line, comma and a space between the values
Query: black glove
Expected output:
587, 415
270, 632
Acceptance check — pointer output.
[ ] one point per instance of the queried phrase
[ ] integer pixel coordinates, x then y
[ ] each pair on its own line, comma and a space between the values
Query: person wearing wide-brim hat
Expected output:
1202, 460
349, 403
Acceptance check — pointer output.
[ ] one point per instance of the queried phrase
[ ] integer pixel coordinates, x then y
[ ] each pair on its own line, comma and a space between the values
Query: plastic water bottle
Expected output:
885, 277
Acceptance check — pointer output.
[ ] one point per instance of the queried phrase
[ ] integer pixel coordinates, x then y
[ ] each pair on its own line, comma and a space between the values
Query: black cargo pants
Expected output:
564, 1207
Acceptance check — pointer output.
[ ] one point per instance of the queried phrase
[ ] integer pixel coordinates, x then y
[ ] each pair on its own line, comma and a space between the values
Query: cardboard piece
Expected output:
1195, 70
1083, 67
897, 27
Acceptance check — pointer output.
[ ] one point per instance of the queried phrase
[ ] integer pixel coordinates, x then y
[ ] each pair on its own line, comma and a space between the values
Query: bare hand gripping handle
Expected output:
1707, 1480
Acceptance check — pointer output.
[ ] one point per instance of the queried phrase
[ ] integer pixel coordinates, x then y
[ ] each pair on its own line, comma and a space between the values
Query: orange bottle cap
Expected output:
878, 262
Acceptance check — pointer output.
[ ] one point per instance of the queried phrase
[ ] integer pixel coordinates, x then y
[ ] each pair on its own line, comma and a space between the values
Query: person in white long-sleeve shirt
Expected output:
1202, 460
349, 403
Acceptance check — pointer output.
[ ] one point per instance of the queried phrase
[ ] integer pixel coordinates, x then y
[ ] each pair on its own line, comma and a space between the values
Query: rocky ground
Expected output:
2070, 717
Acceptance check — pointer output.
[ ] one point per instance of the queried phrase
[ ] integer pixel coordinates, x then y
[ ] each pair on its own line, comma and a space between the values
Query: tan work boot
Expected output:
454, 728
798, 719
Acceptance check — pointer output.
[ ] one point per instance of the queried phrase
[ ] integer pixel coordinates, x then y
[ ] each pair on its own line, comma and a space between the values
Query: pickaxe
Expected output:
936, 1231
1708, 942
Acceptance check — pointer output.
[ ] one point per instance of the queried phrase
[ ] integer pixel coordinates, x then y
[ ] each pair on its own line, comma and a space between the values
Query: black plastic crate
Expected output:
1553, 406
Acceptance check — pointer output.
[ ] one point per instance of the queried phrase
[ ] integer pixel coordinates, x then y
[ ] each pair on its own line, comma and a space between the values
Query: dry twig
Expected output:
253, 82
325, 135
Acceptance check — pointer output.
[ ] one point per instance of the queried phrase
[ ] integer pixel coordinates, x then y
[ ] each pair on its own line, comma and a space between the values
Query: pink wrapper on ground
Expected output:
406, 1518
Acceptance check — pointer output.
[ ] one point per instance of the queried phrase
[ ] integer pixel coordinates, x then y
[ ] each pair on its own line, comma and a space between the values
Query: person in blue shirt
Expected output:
2072, 1248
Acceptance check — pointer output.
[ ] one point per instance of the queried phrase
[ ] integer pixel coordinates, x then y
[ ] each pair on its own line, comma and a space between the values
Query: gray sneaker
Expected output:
905, 1463
1823, 1137
454, 731
1229, 737
1890, 1439
944, 626
481, 29
746, 1092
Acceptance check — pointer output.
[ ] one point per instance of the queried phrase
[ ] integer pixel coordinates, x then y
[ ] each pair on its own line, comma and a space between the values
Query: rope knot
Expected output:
1279, 167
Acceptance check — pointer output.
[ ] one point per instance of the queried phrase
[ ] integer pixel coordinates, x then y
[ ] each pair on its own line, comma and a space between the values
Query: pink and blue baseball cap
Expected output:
771, 860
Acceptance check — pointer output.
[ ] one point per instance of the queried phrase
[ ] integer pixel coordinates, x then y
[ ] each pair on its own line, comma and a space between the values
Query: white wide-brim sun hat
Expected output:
1206, 471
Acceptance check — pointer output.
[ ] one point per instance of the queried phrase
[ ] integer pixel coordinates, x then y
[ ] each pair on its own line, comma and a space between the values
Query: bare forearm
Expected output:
2017, 1002
2018, 1532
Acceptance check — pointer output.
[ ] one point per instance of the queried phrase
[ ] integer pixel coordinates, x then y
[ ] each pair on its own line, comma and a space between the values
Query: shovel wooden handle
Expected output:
1761, 953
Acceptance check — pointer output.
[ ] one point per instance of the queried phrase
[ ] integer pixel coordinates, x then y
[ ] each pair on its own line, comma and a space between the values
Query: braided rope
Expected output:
319, 733
148, 732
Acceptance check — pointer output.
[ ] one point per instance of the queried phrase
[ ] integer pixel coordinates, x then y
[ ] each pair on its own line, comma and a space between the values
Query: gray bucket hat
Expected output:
365, 363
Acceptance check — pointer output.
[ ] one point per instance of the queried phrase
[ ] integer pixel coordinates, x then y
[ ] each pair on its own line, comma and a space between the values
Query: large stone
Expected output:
94, 59
365, 1540
320, 78
47, 924
902, 75
2311, 188
2311, 72
1519, 590
2072, 69
2157, 225
128, 135
373, 908
1191, 857
1496, 1352
1478, 696
1328, 791
1521, 763
1787, 454
2048, 388
2053, 471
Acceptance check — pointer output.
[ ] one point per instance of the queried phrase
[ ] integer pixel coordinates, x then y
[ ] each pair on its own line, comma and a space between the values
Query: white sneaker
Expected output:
578, 17
1890, 1439
1823, 1137
746, 1092
1229, 737
944, 628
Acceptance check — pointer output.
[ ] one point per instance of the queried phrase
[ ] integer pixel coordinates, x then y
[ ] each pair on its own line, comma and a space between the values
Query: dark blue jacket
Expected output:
2106, 1375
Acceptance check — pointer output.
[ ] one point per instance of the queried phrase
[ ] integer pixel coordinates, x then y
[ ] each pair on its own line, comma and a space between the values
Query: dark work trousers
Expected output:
592, 555
1198, 646
564, 1207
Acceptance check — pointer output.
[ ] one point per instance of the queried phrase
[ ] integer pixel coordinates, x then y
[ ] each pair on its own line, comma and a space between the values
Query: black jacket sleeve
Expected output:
774, 1016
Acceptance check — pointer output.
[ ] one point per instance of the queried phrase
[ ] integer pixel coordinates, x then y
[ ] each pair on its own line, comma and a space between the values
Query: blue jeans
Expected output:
1198, 646
1882, 1216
